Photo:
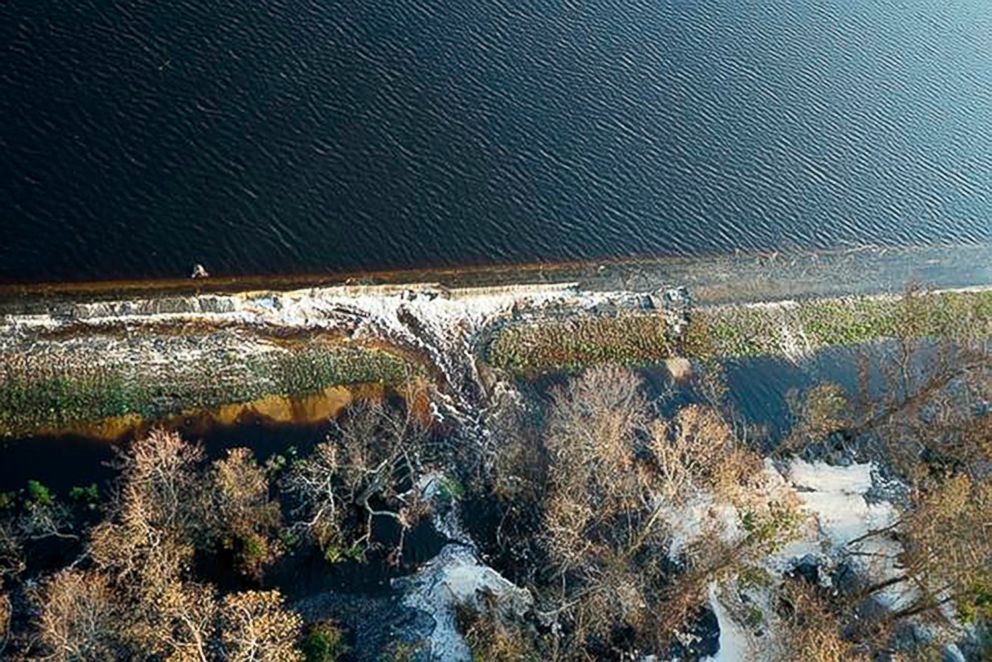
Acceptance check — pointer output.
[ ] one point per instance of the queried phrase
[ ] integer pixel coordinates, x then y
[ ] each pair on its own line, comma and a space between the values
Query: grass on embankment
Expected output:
41, 395
573, 343
738, 331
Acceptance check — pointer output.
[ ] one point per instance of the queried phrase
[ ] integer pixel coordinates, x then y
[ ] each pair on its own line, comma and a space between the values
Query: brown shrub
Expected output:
490, 638
245, 518
809, 630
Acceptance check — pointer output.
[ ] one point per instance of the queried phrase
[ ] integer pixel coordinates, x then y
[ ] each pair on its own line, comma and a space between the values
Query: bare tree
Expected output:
921, 408
591, 441
159, 515
371, 468
11, 547
615, 474
6, 613
140, 599
43, 516
246, 519
493, 637
698, 452
823, 409
314, 482
917, 394
922, 411
80, 618
184, 625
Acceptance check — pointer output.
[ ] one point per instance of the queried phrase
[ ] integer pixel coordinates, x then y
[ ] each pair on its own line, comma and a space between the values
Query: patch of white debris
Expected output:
840, 515
700, 516
735, 642
703, 515
454, 577
306, 308
836, 499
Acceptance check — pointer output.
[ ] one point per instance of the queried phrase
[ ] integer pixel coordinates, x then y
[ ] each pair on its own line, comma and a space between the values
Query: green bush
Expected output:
89, 494
38, 494
738, 331
571, 344
451, 489
324, 642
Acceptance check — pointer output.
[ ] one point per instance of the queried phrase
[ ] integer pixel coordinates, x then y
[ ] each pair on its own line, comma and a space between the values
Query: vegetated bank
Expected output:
70, 384
791, 328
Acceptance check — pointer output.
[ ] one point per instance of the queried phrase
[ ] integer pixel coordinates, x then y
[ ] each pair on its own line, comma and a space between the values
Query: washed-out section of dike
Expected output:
97, 358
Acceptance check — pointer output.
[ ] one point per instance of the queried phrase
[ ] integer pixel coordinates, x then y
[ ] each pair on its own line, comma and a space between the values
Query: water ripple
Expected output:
281, 136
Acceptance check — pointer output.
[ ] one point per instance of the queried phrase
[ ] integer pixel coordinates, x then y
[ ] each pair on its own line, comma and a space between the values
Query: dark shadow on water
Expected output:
59, 462
759, 390
306, 572
64, 461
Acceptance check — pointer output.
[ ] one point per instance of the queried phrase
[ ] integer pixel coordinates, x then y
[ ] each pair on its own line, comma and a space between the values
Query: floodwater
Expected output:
139, 138
758, 390
64, 461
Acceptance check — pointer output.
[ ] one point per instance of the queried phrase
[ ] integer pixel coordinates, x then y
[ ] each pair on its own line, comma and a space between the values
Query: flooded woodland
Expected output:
623, 331
562, 470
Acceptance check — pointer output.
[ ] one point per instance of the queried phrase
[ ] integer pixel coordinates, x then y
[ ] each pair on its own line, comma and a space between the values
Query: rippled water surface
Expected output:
139, 137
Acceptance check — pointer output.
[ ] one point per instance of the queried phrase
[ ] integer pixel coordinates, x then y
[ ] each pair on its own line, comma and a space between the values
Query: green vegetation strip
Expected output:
38, 394
571, 344
739, 331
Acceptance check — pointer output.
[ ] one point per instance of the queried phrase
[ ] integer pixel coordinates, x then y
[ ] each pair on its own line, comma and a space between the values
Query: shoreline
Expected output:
69, 362
754, 276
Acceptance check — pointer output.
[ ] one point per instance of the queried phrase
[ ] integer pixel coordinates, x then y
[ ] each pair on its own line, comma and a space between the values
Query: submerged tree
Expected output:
616, 476
372, 468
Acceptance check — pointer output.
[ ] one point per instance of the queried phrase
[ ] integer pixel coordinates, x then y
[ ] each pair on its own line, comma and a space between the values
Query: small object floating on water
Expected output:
199, 271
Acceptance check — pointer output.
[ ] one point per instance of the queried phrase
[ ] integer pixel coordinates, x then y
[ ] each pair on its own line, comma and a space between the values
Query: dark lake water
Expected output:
138, 137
